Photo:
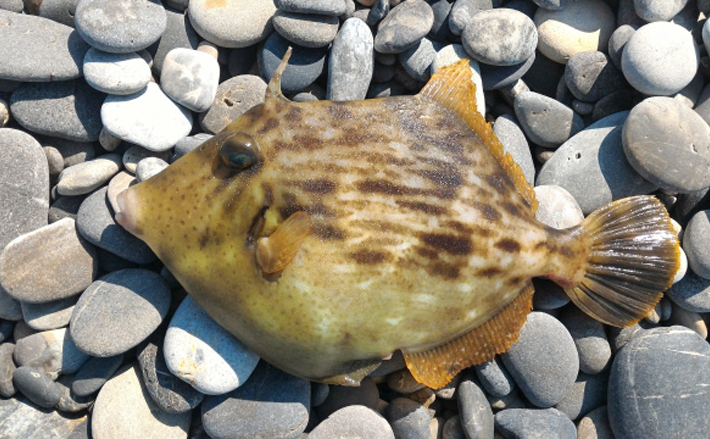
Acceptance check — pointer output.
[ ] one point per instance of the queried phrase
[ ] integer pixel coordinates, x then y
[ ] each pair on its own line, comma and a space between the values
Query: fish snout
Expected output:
127, 213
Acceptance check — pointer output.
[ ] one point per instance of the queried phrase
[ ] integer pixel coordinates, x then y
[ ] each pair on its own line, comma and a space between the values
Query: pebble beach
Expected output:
596, 100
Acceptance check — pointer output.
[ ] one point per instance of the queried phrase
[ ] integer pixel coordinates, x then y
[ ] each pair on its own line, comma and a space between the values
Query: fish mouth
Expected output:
126, 216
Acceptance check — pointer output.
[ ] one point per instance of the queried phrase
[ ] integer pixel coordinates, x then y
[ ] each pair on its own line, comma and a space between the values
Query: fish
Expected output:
326, 236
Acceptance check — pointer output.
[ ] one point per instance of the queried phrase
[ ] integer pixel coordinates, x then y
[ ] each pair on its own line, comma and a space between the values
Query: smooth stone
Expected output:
74, 152
552, 5
234, 97
556, 207
524, 423
96, 224
618, 41
118, 184
668, 144
178, 33
404, 26
691, 293
135, 154
190, 78
335, 8
203, 354
658, 10
351, 62
123, 409
307, 30
169, 392
475, 414
21, 418
12, 5
147, 118
494, 378
271, 403
94, 374
22, 330
653, 386
54, 351
353, 421
50, 263
593, 168
589, 338
378, 11
188, 144
546, 121
588, 393
590, 76
65, 109
543, 362
595, 425
615, 102
232, 23
408, 419
36, 386
440, 30
660, 59
500, 37
339, 396
690, 94
55, 161
303, 68
462, 13
319, 392
149, 167
496, 77
140, 297
49, 315
120, 27
513, 139
581, 26
84, 178
61, 11
7, 370
694, 243
689, 319
455, 52
417, 59
117, 74
56, 54
402, 381
7, 328
10, 309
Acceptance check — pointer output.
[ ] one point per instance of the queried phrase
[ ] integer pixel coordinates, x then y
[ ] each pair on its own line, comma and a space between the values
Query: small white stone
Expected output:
85, 177
190, 77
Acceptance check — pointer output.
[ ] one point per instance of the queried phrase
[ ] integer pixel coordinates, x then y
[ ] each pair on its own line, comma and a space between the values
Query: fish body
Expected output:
399, 224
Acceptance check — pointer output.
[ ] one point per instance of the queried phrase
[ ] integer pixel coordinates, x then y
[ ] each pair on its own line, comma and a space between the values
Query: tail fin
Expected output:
634, 257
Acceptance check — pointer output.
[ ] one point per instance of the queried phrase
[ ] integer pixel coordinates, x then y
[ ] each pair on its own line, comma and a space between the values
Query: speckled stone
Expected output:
494, 378
404, 26
475, 414
20, 418
61, 11
617, 41
133, 155
7, 370
408, 418
590, 76
232, 23
463, 11
149, 167
37, 386
523, 423
353, 421
234, 97
190, 78
588, 393
556, 207
118, 74
546, 121
85, 177
500, 37
335, 8
589, 338
351, 62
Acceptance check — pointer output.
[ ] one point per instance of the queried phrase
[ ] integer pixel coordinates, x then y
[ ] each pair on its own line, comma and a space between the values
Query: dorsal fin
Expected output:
436, 367
452, 87
273, 90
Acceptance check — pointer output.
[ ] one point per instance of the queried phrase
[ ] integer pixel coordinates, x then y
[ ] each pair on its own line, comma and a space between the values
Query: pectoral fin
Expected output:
275, 252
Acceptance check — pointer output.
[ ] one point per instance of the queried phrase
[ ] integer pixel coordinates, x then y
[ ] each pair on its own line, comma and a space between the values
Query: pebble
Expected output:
232, 23
595, 425
660, 59
56, 50
417, 59
514, 142
653, 386
615, 102
588, 393
270, 404
304, 67
242, 60
54, 351
205, 355
94, 374
123, 409
440, 30
118, 311
544, 361
20, 418
64, 207
475, 414
590, 76
689, 319
118, 184
234, 97
404, 26
403, 382
7, 370
65, 109
96, 224
589, 337
462, 13
49, 315
691, 293
351, 62
7, 328
10, 309
658, 10
178, 33
190, 78
70, 402
120, 27
556, 207
379, 10
494, 378
524, 423
618, 41
85, 177
55, 161
339, 396
353, 421
135, 154
694, 243
117, 74
12, 5
61, 11
147, 118
452, 53
74, 152
22, 330
408, 419
495, 77
36, 386
148, 167
564, 33
335, 8
500, 37
593, 168
188, 144
307, 30
668, 144
50, 263
546, 121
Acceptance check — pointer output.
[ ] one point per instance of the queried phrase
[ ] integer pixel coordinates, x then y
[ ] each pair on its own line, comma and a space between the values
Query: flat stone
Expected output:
351, 65
691, 293
120, 27
200, 352
304, 67
232, 23
440, 30
494, 378
147, 118
234, 97
500, 37
307, 30
118, 311
50, 263
689, 319
74, 152
61, 11
123, 409
65, 207
117, 74
178, 33
7, 370
353, 421
12, 5
513, 139
53, 351
36, 386
69, 402
658, 10
408, 418
94, 374
190, 78
56, 51
588, 393
88, 176
404, 26
590, 76
595, 425
10, 308
135, 154
475, 414
55, 161
378, 11
22, 330
49, 315
462, 13
589, 337
548, 423
21, 418
546, 121
65, 109
496, 77
271, 403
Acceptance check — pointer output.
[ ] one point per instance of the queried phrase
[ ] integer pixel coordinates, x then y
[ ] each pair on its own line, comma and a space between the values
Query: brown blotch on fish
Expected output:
338, 111
489, 212
451, 244
447, 271
317, 186
269, 125
441, 177
369, 257
308, 143
489, 272
567, 252
293, 115
427, 208
508, 245
497, 181
427, 253
327, 232
512, 209
386, 187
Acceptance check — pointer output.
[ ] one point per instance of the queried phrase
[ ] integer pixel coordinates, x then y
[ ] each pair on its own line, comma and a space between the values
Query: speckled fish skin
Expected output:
418, 235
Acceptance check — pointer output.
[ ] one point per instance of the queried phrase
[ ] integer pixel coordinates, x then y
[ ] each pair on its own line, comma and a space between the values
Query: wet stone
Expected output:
404, 26
546, 121
307, 30
88, 176
238, 23
53, 351
548, 423
37, 386
350, 66
695, 243
94, 374
500, 37
49, 315
475, 414
118, 74
190, 78
590, 76
408, 419
353, 421
303, 68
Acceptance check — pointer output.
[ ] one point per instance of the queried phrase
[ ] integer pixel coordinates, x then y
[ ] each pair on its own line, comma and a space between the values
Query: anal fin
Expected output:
436, 367
275, 252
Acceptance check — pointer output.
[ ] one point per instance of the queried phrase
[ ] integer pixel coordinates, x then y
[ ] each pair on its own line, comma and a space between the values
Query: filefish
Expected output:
327, 235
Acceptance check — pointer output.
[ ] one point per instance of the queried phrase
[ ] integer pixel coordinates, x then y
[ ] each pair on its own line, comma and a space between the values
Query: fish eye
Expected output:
239, 151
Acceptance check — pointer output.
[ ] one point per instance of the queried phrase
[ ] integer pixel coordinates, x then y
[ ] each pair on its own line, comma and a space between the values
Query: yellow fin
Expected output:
452, 87
436, 367
275, 252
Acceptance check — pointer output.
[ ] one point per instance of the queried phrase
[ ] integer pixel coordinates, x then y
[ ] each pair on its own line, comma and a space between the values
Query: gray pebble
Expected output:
379, 10
95, 222
475, 414
658, 10
417, 59
36, 386
543, 362
242, 60
595, 425
61, 11
494, 378
22, 330
350, 66
440, 29
408, 419
190, 78
7, 328
49, 315
514, 142
500, 37
691, 293
404, 26
118, 311
453, 429
189, 143
56, 51
118, 184
324, 7
178, 33
353, 421
319, 392
524, 423
617, 41
74, 152
88, 176
55, 161
495, 77
695, 243
118, 74
589, 337
69, 402
7, 370
691, 93
239, 23
615, 102
234, 97
552, 5
148, 167
20, 418
94, 374
12, 5
590, 76
10, 309
120, 27
668, 144
463, 11
339, 396
66, 109
53, 351
546, 121
307, 30
133, 155
588, 393
556, 207
304, 67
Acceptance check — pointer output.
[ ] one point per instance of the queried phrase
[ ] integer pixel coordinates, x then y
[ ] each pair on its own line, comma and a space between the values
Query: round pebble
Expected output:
653, 386
691, 293
353, 421
178, 33
234, 97
494, 378
475, 414
514, 142
589, 337
617, 41
695, 243
118, 184
232, 23
303, 68
590, 76
203, 354
658, 10
500, 37
546, 121
148, 118
148, 167
462, 13
595, 425
190, 78
120, 27
140, 297
408, 419
135, 154
404, 26
543, 362
36, 386
548, 423
307, 30
351, 62
48, 315
668, 144
55, 161
660, 59
588, 393
88, 176
53, 351
118, 74
94, 374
